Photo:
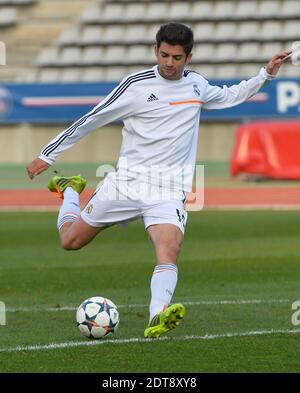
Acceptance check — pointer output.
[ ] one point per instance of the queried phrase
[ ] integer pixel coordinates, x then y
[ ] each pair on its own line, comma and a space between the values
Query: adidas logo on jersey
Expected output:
152, 97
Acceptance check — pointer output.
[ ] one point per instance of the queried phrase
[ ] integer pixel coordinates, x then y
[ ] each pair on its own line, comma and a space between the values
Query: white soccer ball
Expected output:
97, 317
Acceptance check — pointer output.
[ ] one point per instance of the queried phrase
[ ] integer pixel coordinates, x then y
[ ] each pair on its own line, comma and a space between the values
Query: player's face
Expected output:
171, 60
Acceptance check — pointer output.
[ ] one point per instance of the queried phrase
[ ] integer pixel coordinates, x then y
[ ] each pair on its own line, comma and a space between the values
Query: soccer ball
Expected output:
97, 317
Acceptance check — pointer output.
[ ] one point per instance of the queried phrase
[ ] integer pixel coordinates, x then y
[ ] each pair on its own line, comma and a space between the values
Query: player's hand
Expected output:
36, 167
276, 62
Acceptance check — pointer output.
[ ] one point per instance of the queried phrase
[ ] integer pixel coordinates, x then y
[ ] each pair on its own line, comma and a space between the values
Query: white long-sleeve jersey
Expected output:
161, 123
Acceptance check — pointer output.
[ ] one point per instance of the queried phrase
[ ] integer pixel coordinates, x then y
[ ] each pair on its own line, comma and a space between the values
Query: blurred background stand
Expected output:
267, 150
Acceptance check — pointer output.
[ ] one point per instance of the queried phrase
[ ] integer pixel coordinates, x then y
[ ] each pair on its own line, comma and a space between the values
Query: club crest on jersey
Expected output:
89, 208
196, 90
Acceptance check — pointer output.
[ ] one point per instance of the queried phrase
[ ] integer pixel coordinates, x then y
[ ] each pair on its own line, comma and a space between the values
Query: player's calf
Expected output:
77, 234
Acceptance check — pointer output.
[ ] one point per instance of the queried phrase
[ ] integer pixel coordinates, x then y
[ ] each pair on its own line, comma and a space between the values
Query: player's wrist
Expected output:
47, 160
266, 75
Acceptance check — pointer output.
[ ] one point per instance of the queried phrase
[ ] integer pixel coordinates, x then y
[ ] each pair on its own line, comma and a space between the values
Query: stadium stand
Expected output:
8, 17
36, 26
106, 39
63, 41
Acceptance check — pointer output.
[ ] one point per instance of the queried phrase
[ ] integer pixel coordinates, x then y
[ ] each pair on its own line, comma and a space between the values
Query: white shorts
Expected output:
121, 201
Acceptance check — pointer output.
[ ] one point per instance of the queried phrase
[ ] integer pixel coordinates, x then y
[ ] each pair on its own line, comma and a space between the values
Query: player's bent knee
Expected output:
71, 244
172, 250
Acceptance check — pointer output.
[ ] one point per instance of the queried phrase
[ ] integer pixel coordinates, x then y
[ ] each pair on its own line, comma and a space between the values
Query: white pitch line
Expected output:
74, 344
187, 303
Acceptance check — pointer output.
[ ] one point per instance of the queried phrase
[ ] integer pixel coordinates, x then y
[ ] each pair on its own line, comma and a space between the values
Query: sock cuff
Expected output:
68, 217
163, 267
71, 193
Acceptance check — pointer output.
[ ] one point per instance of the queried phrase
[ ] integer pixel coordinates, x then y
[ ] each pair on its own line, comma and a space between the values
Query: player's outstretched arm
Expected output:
228, 96
276, 62
36, 167
119, 104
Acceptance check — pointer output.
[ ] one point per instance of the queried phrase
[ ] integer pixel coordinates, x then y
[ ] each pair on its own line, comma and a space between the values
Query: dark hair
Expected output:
176, 34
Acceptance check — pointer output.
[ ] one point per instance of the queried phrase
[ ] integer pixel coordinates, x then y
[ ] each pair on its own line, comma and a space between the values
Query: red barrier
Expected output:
267, 149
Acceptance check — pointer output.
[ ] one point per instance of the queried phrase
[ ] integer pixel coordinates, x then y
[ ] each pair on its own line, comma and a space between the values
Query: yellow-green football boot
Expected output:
165, 321
58, 184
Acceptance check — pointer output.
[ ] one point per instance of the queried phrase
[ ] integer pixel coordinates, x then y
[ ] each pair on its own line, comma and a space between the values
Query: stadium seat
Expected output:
247, 31
289, 70
16, 2
246, 9
70, 36
268, 8
113, 34
92, 74
8, 16
203, 52
157, 11
151, 53
24, 2
180, 11
224, 9
269, 49
290, 8
69, 75
137, 54
151, 32
91, 35
70, 56
115, 74
136, 33
291, 29
203, 9
225, 30
249, 51
271, 30
112, 12
27, 76
207, 71
226, 71
48, 57
49, 75
246, 71
203, 31
114, 54
92, 55
134, 12
132, 69
91, 14
225, 52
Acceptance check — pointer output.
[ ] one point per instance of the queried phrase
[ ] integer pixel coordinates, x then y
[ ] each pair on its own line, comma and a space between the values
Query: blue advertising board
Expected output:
60, 103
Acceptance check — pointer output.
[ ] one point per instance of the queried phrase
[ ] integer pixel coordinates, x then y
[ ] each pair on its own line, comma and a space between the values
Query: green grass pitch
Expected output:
238, 277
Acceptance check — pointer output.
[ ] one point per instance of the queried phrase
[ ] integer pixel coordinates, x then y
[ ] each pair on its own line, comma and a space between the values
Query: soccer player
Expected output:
160, 108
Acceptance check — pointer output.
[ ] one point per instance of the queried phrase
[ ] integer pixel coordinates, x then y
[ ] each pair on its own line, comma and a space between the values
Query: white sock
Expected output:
163, 284
69, 210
